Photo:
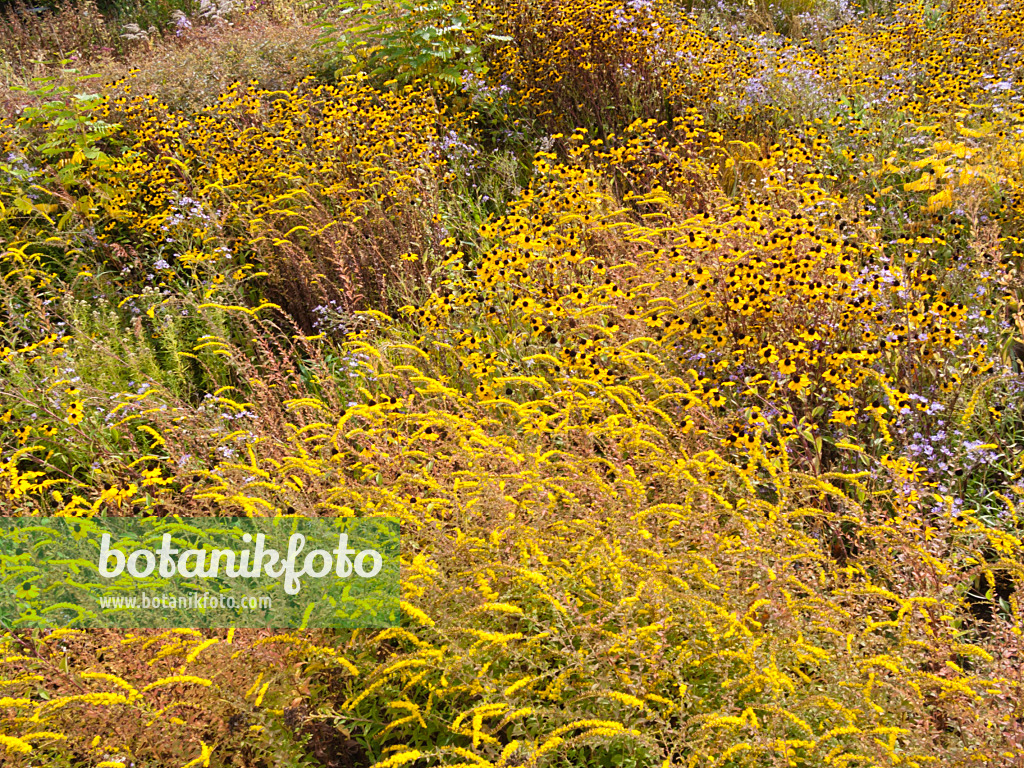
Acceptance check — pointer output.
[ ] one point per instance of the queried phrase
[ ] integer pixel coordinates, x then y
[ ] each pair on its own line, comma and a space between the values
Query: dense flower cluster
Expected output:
701, 416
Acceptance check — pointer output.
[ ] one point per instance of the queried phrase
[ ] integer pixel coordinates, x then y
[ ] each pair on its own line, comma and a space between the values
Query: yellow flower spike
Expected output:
203, 759
401, 758
13, 744
174, 679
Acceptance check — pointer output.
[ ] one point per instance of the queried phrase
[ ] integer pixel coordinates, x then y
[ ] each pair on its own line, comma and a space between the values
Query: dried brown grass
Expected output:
187, 72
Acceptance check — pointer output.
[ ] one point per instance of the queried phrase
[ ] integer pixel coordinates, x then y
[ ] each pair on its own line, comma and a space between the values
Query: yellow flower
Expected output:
27, 590
75, 412
800, 383
844, 417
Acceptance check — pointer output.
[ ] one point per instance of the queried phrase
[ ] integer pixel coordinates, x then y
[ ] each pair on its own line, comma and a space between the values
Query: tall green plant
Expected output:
63, 128
408, 39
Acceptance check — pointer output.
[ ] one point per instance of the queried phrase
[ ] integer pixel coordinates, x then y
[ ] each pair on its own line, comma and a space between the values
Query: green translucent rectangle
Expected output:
198, 572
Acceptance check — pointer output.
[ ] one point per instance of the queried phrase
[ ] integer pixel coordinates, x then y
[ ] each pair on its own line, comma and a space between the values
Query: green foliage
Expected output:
405, 40
68, 133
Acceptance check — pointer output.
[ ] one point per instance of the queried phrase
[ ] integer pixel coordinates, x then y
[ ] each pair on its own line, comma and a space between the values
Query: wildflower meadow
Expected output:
684, 339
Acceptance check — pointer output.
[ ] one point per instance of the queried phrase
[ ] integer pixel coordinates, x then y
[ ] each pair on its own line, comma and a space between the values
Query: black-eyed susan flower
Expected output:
26, 590
75, 412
